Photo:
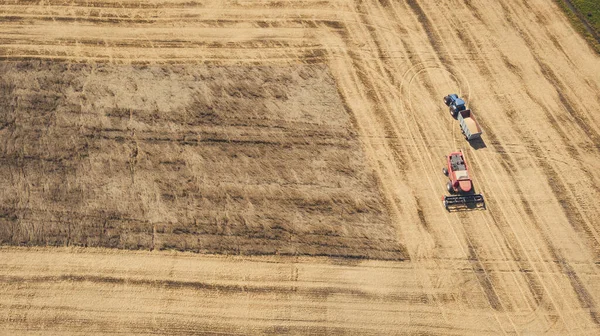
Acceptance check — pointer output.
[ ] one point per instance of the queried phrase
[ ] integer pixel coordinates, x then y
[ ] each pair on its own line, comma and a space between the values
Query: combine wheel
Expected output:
449, 187
445, 171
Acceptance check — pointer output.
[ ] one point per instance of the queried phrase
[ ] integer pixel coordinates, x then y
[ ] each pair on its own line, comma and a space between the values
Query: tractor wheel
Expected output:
445, 171
449, 187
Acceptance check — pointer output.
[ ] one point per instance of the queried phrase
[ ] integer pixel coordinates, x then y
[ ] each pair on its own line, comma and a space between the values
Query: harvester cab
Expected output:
460, 185
455, 104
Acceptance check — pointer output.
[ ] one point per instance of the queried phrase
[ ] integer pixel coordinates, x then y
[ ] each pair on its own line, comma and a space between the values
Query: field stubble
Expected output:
299, 127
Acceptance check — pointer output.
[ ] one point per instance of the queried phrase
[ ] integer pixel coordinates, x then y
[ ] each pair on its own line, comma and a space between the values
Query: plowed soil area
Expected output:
250, 160
311, 133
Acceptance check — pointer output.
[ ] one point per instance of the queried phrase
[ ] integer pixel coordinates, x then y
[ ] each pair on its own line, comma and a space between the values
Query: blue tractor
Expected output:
455, 104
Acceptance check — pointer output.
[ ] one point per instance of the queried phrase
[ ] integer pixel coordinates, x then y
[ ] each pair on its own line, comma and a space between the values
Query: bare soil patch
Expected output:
212, 159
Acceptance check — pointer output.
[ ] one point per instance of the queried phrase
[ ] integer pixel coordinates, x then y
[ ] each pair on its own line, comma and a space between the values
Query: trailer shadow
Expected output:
477, 143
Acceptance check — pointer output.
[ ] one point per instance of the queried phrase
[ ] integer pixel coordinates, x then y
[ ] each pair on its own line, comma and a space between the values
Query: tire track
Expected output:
487, 286
508, 170
419, 12
365, 80
559, 189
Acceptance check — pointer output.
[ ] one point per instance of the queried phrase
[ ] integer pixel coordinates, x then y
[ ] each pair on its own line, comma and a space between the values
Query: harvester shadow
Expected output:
477, 143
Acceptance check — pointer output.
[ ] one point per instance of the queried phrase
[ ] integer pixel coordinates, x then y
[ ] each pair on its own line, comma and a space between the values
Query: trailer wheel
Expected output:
445, 171
449, 187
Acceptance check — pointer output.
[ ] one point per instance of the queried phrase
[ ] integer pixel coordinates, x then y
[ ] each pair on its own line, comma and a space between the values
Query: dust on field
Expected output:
212, 159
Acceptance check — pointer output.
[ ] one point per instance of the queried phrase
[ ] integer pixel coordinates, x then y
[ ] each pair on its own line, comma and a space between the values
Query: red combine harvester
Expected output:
460, 186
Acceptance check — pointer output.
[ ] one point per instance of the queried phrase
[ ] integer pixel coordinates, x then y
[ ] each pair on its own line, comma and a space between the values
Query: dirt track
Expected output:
526, 265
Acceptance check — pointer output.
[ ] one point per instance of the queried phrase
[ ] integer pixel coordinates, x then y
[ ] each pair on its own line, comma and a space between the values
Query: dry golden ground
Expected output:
527, 265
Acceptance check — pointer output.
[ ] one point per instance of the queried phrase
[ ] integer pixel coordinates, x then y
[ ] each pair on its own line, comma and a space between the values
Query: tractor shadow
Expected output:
477, 143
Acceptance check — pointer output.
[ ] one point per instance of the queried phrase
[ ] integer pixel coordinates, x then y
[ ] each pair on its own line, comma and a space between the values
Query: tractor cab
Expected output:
459, 105
455, 104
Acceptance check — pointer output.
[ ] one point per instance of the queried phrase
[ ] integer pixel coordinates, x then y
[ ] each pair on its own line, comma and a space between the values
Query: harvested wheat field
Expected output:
255, 167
